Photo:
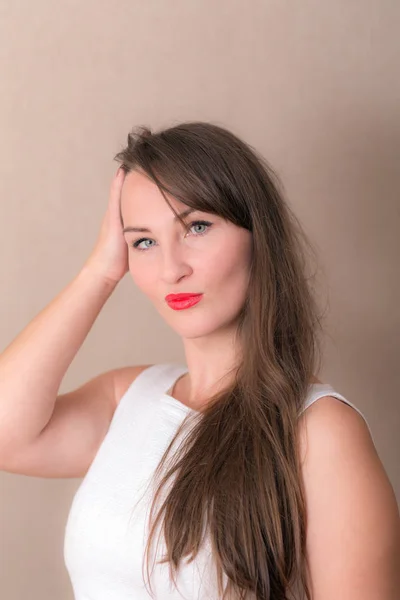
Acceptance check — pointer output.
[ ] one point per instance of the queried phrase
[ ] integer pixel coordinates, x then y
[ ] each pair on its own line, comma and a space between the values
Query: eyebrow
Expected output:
182, 215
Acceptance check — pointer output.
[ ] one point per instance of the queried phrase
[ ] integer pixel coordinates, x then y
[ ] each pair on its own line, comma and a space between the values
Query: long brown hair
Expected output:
238, 471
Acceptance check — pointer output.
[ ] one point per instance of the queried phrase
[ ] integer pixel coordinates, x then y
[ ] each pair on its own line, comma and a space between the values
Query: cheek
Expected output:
142, 278
227, 282
227, 257
232, 265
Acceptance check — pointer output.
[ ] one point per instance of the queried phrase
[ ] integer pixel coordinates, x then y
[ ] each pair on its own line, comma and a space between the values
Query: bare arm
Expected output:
353, 531
34, 364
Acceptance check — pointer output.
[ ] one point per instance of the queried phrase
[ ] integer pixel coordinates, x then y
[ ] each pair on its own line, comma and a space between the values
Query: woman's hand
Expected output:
109, 257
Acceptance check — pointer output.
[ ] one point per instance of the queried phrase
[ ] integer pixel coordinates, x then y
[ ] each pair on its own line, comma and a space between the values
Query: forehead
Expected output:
141, 196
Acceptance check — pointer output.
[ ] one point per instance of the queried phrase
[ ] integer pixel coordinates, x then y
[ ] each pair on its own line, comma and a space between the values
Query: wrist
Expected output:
92, 272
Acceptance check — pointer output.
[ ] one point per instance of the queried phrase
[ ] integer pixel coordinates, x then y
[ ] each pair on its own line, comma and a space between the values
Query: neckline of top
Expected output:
175, 402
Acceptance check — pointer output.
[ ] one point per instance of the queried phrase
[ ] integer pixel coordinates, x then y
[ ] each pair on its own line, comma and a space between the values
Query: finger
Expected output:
116, 188
117, 183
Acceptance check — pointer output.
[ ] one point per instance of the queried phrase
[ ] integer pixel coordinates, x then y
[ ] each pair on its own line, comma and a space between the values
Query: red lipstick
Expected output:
181, 301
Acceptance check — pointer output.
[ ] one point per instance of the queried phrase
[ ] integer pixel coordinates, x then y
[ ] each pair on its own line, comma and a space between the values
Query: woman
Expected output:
249, 494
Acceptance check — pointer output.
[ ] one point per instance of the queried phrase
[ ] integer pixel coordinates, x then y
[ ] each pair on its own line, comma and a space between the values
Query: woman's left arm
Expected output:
353, 530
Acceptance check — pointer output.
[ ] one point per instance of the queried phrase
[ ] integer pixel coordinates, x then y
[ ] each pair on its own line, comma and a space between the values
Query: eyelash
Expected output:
206, 223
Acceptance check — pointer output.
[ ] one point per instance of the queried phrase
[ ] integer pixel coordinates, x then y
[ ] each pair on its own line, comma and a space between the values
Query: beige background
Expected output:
313, 85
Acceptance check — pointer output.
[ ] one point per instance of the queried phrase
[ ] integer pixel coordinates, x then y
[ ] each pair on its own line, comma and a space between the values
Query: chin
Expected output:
193, 328
193, 331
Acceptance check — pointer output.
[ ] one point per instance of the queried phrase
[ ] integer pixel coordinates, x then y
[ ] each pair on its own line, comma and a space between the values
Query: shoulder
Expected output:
328, 416
123, 377
353, 527
334, 436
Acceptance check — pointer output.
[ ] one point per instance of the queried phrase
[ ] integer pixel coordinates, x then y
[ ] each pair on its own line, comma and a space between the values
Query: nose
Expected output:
173, 264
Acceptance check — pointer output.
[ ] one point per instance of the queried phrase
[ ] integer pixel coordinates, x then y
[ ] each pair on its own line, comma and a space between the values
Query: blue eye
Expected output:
206, 224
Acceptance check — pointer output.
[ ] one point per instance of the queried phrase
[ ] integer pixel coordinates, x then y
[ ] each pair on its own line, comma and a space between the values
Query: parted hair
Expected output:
236, 476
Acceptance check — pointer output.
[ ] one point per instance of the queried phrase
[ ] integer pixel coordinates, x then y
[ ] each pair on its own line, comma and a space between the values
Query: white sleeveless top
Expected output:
106, 530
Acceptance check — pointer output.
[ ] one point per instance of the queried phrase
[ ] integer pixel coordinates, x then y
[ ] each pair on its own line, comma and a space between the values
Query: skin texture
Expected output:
216, 264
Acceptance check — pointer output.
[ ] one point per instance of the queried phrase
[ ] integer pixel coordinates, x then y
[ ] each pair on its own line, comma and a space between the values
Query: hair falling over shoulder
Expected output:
238, 471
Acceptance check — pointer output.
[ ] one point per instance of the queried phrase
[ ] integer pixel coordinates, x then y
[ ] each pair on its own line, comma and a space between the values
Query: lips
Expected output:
182, 301
178, 297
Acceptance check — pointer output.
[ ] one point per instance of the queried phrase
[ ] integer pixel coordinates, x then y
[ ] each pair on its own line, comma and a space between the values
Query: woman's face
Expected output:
211, 259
